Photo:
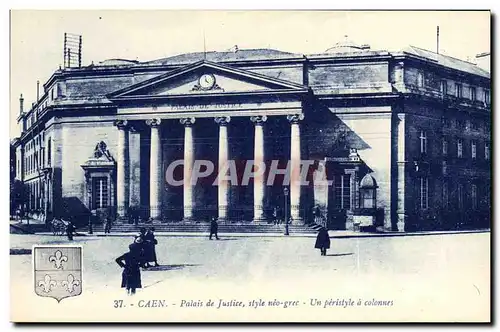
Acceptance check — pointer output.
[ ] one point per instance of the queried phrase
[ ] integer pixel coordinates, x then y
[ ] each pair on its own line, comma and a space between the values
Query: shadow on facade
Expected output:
73, 209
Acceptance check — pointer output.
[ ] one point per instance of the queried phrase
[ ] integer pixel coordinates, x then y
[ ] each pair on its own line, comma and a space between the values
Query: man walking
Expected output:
70, 229
214, 226
107, 225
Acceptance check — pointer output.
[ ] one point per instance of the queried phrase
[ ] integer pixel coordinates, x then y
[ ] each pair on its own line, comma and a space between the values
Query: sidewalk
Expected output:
25, 222
333, 234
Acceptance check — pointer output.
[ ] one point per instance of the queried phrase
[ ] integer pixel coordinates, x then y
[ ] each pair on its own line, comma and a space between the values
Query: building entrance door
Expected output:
339, 201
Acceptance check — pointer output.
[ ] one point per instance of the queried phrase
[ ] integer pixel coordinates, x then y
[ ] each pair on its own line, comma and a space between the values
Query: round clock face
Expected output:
207, 81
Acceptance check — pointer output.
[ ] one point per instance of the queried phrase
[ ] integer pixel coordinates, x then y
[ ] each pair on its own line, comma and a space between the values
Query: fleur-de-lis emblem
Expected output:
47, 283
70, 283
58, 258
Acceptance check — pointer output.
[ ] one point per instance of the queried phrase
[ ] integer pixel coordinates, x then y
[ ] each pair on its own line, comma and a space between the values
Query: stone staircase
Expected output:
182, 227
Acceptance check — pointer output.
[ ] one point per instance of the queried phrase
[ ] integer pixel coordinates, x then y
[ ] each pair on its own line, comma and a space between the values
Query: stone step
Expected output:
223, 228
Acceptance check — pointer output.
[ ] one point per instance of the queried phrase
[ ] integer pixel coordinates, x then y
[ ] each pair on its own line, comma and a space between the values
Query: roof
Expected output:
95, 86
447, 61
344, 47
117, 62
236, 54
347, 46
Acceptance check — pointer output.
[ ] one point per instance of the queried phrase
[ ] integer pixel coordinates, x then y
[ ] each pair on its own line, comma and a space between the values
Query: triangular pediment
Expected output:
204, 78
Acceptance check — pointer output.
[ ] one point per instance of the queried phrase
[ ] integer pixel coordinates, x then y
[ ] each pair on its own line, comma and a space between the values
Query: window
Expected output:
487, 151
473, 125
445, 195
367, 199
420, 79
424, 193
474, 196
100, 192
473, 149
487, 96
445, 147
460, 196
49, 152
458, 90
444, 88
445, 167
445, 122
342, 191
459, 148
423, 142
472, 93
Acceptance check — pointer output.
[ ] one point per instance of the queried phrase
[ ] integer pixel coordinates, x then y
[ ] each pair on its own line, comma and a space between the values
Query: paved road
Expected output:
427, 276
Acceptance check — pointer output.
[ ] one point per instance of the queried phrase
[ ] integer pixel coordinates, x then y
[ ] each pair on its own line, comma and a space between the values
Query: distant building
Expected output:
404, 137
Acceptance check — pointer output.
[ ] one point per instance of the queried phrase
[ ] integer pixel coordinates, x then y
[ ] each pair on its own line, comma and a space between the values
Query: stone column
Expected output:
354, 190
401, 211
46, 194
259, 181
223, 185
295, 157
155, 171
188, 166
134, 182
122, 169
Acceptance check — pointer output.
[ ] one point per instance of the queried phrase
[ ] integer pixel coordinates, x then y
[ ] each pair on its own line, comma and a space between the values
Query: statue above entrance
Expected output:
102, 150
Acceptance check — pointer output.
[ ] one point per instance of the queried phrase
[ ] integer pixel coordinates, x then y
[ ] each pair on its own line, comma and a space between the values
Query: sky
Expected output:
36, 37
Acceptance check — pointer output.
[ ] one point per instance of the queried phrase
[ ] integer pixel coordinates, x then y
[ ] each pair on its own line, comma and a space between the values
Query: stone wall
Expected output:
77, 143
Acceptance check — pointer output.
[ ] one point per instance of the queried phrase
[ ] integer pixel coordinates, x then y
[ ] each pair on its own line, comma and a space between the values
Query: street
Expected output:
421, 276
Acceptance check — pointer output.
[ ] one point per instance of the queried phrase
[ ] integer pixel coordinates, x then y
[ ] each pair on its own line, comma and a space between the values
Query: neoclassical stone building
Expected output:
394, 140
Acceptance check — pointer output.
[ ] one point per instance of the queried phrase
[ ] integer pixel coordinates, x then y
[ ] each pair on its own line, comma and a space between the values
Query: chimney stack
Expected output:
21, 104
37, 91
437, 40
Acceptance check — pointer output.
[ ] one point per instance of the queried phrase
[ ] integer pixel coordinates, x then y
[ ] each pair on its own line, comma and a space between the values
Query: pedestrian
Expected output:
143, 248
214, 226
136, 217
107, 225
130, 262
91, 230
70, 229
275, 215
316, 214
322, 241
150, 245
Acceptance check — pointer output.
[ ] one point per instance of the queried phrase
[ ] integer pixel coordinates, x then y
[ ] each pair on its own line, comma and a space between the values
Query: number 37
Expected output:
118, 303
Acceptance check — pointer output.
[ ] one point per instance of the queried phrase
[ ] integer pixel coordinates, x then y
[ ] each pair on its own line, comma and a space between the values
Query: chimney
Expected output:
21, 104
437, 40
483, 61
37, 91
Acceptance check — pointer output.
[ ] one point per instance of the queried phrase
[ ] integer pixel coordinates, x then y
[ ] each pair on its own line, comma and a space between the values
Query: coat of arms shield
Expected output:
58, 271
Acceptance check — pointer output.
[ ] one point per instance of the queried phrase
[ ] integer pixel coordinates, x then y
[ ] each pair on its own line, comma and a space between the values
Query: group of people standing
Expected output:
141, 253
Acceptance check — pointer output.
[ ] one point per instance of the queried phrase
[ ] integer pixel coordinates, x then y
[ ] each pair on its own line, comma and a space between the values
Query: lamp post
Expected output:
285, 191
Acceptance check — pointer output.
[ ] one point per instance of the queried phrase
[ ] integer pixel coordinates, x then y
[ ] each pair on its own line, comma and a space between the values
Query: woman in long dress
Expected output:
322, 241
150, 247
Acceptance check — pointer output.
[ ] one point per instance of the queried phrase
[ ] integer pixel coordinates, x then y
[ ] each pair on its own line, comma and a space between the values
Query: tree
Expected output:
18, 196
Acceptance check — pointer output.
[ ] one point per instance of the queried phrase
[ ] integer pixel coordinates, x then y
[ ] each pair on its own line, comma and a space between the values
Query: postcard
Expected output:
250, 166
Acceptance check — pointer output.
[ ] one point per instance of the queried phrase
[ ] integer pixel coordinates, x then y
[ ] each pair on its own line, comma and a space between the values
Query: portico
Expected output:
231, 99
